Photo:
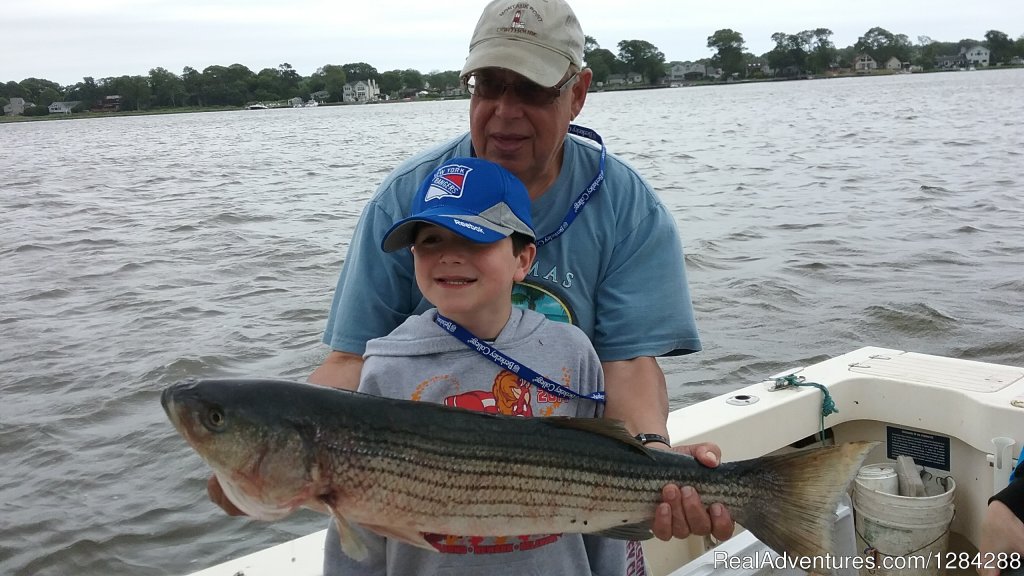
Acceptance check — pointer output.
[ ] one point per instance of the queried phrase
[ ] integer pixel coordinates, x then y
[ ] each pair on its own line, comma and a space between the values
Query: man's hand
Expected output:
218, 497
682, 514
1001, 532
637, 396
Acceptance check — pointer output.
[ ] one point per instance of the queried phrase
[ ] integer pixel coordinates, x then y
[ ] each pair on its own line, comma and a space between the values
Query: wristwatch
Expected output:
648, 438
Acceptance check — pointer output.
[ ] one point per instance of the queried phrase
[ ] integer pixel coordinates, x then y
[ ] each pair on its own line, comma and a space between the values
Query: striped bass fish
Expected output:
404, 469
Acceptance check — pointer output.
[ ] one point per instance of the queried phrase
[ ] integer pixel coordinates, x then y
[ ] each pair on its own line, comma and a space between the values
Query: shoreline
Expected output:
593, 90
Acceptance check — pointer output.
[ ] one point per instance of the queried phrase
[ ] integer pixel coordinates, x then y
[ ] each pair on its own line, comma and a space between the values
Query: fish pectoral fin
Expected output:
638, 531
408, 536
351, 543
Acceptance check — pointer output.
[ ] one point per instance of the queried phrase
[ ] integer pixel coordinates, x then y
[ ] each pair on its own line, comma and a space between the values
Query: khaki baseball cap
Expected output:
537, 39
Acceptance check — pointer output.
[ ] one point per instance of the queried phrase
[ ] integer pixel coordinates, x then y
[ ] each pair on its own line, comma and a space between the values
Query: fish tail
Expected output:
795, 513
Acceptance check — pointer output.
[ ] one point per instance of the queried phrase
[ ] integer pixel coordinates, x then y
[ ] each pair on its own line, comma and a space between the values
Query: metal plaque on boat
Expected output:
931, 450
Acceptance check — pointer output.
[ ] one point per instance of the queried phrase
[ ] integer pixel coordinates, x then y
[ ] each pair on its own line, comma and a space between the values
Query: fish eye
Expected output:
214, 419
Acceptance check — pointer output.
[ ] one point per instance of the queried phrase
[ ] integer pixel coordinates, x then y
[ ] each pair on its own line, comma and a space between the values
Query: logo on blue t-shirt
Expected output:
533, 297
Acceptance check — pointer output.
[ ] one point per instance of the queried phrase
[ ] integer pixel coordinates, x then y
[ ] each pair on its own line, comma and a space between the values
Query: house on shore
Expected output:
62, 107
623, 79
361, 91
976, 55
688, 71
950, 62
616, 80
864, 63
758, 68
893, 63
110, 103
17, 107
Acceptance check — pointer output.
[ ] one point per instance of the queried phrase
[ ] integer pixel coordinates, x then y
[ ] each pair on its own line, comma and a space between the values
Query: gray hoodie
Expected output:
420, 361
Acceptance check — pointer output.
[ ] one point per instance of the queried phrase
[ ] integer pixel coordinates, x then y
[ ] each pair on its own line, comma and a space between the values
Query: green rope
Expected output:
828, 405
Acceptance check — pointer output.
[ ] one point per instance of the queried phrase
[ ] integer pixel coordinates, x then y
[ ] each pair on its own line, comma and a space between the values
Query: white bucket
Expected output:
905, 529
879, 477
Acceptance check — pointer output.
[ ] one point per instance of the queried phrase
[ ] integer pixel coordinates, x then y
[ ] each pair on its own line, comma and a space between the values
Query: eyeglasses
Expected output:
491, 86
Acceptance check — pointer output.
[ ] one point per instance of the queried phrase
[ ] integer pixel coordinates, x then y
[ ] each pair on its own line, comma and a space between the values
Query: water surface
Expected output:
818, 217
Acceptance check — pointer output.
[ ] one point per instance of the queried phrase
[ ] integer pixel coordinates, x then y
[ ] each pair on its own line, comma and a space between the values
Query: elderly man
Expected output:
609, 257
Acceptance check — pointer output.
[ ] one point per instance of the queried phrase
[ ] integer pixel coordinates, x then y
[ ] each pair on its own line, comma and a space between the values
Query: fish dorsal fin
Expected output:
613, 429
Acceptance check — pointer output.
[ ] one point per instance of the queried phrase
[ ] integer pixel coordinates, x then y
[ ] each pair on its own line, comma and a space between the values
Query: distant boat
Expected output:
257, 107
312, 104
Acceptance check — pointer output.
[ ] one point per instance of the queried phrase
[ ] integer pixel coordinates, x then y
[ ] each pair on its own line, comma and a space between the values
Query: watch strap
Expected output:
648, 438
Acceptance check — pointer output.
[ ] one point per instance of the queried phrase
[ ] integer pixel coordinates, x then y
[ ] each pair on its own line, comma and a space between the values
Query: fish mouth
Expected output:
167, 398
170, 406
171, 400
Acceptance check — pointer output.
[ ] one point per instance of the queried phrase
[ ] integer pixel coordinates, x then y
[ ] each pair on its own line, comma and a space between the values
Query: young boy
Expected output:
471, 238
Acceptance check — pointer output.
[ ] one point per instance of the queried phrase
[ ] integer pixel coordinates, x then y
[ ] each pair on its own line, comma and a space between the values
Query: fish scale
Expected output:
407, 468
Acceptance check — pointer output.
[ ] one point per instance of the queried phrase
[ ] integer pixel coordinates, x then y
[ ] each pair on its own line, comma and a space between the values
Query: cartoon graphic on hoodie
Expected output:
510, 395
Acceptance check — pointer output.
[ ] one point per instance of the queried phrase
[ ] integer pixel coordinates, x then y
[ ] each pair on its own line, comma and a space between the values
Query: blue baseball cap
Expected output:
474, 198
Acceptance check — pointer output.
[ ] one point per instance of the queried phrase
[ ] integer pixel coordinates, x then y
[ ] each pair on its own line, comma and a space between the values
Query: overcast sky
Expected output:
64, 40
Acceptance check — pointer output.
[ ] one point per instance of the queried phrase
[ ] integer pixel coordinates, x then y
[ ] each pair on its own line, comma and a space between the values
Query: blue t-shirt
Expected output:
617, 272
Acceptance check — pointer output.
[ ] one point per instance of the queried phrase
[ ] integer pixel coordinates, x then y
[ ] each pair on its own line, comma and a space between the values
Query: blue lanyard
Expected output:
587, 193
523, 372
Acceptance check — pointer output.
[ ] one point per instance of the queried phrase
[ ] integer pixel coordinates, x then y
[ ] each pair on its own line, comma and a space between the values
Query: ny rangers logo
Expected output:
448, 182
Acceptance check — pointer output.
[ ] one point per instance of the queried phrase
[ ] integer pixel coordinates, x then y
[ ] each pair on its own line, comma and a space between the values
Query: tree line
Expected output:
234, 85
813, 52
805, 52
